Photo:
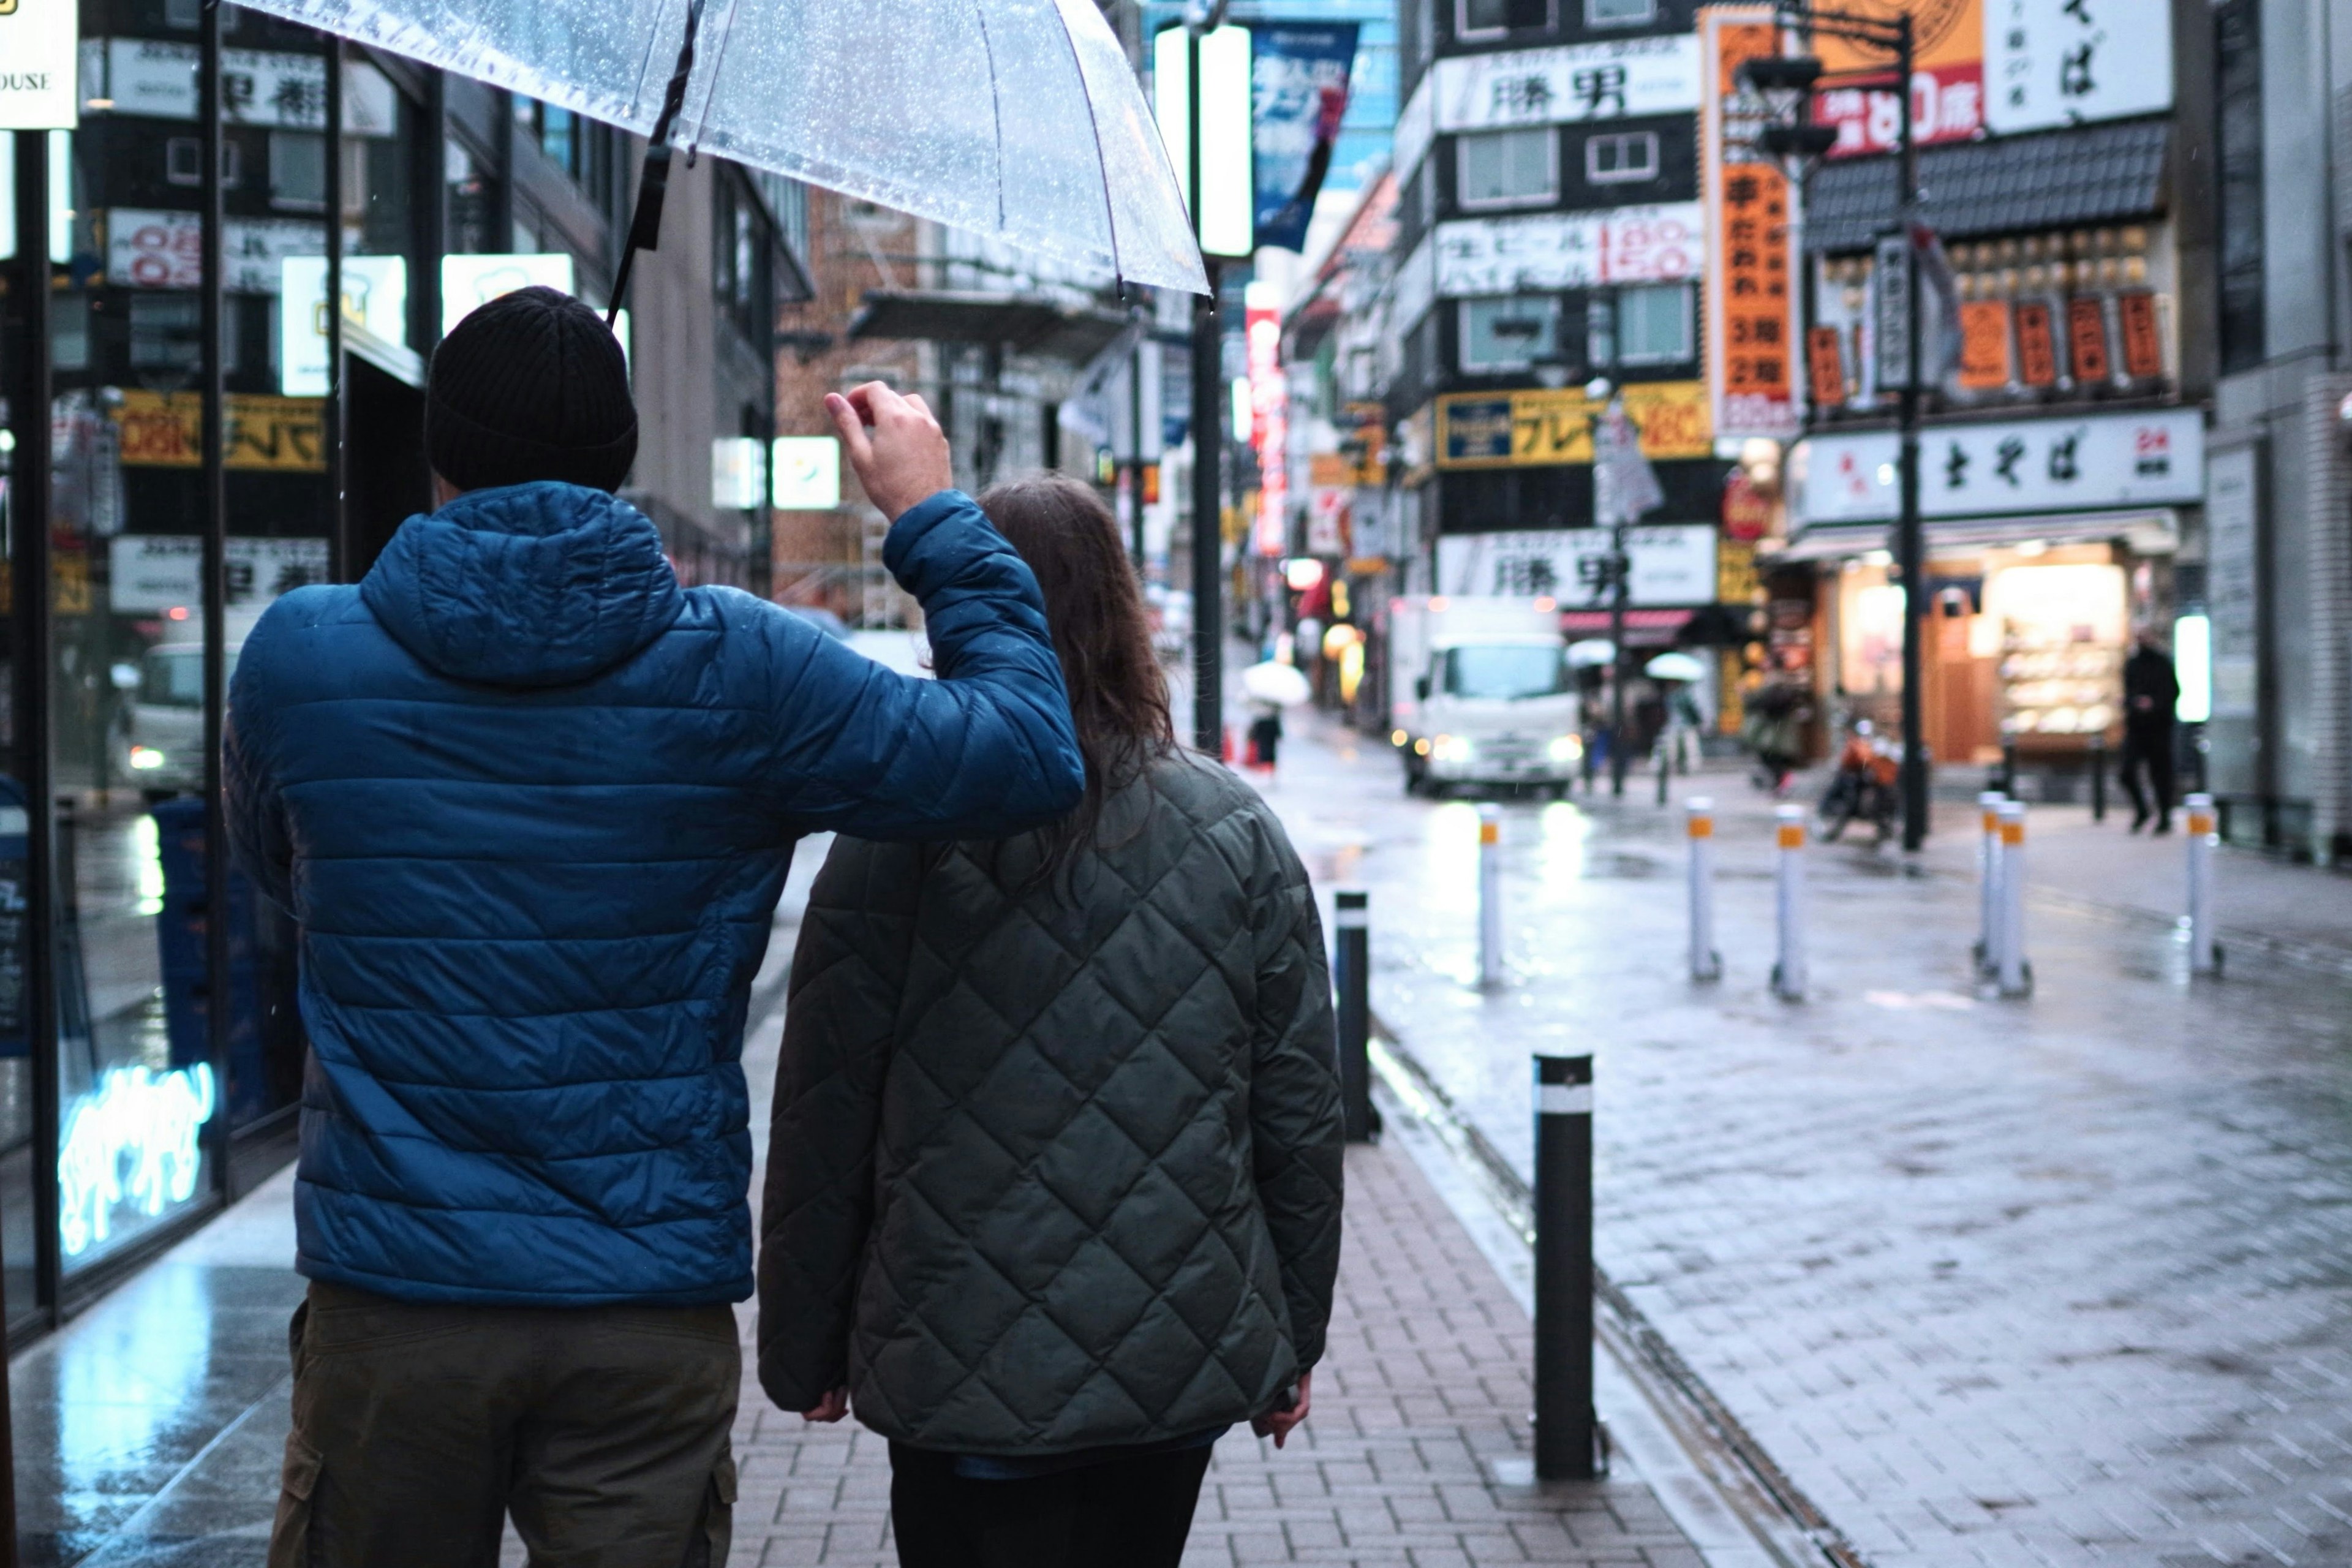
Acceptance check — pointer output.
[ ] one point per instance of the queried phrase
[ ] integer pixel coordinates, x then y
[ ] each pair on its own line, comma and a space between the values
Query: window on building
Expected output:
1621, 157
1493, 18
2238, 135
1507, 168
1509, 333
741, 269
183, 161
1653, 325
297, 171
1620, 13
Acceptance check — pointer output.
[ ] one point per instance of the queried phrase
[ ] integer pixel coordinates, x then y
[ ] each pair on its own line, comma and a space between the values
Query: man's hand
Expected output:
832, 1408
902, 460
1277, 1424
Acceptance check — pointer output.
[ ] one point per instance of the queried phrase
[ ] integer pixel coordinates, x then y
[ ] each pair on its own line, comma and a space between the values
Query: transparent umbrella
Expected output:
1019, 119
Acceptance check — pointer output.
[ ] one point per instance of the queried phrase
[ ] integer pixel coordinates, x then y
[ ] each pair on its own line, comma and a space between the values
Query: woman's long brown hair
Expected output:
1118, 696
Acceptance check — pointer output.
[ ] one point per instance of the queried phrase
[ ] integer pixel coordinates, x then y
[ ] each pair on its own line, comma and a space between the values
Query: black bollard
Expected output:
2098, 778
1352, 973
1567, 1439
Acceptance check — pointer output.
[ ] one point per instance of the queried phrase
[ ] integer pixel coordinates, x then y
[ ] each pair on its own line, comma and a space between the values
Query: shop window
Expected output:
297, 171
1494, 18
1621, 158
167, 331
1653, 325
1620, 13
1507, 168
1508, 333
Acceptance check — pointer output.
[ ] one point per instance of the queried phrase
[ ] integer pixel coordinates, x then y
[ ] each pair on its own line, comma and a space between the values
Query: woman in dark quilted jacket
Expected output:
1052, 1193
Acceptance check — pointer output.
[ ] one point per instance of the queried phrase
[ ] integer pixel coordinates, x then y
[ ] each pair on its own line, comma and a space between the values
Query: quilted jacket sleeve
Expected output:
1295, 1125
985, 751
840, 1018
258, 840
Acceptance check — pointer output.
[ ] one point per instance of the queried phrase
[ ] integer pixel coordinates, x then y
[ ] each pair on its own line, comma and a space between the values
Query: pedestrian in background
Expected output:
1265, 737
1054, 1180
531, 804
2151, 694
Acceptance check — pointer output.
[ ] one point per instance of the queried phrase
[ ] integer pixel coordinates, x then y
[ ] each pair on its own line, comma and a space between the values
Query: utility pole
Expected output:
1208, 443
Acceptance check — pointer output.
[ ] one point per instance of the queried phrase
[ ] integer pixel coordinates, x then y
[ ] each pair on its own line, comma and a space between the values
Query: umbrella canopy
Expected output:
1675, 666
1018, 120
1590, 653
1275, 682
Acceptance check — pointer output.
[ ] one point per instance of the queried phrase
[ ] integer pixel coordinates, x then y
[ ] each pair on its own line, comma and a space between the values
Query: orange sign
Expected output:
1752, 337
1947, 84
2037, 345
2086, 339
1825, 366
2143, 344
1984, 345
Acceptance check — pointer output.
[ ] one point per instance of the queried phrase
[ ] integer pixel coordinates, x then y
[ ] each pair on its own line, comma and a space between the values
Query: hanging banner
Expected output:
1984, 345
39, 41
1535, 427
2053, 64
1752, 339
1298, 95
1947, 75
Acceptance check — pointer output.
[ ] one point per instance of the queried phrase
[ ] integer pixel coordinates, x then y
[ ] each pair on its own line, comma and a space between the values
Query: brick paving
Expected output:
2054, 1281
1426, 1379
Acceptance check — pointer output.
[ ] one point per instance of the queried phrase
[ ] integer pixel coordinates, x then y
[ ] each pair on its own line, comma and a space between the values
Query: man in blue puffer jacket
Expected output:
533, 805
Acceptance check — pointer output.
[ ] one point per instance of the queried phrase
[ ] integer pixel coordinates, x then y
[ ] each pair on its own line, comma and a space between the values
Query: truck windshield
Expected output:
1506, 672
173, 678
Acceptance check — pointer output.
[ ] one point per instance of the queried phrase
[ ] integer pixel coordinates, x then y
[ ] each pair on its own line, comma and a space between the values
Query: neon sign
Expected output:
131, 1142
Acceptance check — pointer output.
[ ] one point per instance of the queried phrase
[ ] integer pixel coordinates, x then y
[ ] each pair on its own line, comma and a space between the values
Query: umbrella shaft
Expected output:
652, 180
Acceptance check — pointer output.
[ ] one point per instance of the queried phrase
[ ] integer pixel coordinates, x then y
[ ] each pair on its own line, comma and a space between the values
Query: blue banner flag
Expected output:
1298, 92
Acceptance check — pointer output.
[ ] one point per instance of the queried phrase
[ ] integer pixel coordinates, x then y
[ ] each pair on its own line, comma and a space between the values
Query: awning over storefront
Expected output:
2083, 174
2154, 531
1026, 323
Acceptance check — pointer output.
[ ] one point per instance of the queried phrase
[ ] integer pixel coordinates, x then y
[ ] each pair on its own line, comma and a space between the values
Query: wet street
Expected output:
2060, 1280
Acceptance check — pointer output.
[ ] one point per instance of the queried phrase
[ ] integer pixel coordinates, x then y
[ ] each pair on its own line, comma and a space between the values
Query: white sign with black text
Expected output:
37, 87
153, 250
1670, 564
1658, 244
157, 76
2028, 466
2048, 64
154, 574
1610, 80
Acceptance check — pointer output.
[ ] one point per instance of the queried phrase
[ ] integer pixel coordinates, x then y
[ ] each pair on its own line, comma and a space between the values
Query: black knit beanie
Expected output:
530, 386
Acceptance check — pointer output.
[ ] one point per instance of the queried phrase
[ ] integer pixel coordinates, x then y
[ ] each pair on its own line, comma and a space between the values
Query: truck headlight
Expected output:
1451, 749
146, 757
1567, 748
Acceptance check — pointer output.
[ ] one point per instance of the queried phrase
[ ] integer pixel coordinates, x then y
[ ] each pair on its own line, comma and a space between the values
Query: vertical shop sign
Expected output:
1751, 347
2143, 344
1269, 423
40, 43
2037, 344
1825, 366
1948, 78
1984, 345
1298, 94
2086, 339
1890, 298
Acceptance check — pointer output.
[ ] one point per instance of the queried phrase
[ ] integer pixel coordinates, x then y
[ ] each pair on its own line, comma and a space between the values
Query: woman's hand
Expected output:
1277, 1424
832, 1408
897, 448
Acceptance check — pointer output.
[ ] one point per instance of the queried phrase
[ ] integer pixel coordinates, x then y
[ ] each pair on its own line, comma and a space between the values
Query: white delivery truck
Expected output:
1480, 693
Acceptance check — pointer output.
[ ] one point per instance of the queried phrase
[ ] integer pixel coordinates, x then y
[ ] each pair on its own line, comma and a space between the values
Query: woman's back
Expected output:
1056, 1154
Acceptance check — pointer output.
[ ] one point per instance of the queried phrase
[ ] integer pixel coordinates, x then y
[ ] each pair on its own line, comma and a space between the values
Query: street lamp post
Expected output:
1208, 439
1893, 35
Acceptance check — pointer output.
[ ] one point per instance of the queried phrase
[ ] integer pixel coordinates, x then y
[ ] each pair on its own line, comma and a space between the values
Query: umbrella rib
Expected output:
711, 88
1094, 128
996, 105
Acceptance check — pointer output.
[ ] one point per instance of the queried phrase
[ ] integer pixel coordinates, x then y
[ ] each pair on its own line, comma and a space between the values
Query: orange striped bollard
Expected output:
1788, 856
1490, 895
2204, 832
1698, 825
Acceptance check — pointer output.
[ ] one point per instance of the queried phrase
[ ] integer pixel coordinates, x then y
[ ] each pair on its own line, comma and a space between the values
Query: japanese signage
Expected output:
153, 573
1948, 85
1751, 336
2040, 465
1657, 244
2143, 343
2037, 344
1534, 427
1890, 312
1298, 93
37, 88
1269, 423
151, 249
1825, 366
1576, 81
258, 87
1984, 345
164, 430
375, 299
2059, 64
2086, 338
1671, 563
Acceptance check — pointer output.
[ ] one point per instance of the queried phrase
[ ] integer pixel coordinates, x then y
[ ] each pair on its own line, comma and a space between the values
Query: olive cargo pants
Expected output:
417, 1428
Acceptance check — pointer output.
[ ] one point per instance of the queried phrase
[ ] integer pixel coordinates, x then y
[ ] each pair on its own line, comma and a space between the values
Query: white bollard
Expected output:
2204, 950
1705, 964
1988, 880
1490, 895
1788, 856
2015, 975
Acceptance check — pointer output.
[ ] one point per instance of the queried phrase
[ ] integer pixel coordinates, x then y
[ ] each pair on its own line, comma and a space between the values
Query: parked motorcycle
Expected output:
1865, 784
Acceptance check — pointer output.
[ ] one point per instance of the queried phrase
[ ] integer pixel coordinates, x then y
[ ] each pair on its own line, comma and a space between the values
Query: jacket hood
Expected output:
536, 584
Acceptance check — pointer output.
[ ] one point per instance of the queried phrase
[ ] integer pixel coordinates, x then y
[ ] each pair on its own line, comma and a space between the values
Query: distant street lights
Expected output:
1792, 79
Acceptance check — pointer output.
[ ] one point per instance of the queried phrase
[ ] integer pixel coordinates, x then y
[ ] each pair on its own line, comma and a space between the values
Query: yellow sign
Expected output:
1536, 427
166, 430
1736, 581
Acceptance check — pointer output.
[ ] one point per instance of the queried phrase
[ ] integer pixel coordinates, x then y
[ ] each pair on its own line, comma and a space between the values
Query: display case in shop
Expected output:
2063, 631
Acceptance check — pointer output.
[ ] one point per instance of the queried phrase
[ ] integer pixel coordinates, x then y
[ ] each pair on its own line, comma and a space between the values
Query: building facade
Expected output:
150, 1062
